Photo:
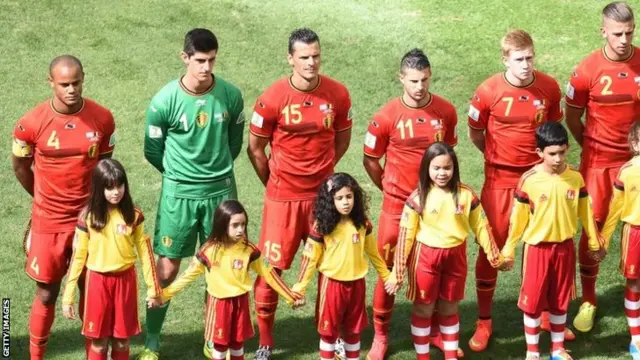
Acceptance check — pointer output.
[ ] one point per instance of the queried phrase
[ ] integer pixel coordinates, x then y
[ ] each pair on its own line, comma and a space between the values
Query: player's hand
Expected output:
507, 264
154, 302
391, 286
598, 255
68, 311
299, 300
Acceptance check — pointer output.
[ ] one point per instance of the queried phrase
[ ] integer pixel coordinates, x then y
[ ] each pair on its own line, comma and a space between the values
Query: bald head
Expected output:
68, 61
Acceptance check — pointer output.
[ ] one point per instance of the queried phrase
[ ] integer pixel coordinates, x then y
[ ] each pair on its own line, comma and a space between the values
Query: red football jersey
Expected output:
65, 149
301, 126
610, 92
403, 133
510, 115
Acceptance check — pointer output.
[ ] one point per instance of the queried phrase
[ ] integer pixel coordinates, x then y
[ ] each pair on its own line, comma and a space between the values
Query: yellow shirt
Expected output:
112, 249
340, 255
227, 271
443, 224
625, 203
547, 208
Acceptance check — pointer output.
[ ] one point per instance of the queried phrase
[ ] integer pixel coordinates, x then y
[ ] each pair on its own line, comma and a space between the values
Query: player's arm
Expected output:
615, 211
480, 226
197, 267
343, 139
313, 250
376, 141
263, 123
406, 237
108, 142
236, 124
576, 98
22, 150
585, 213
155, 134
145, 253
269, 274
478, 116
517, 223
371, 248
451, 135
555, 104
342, 126
78, 261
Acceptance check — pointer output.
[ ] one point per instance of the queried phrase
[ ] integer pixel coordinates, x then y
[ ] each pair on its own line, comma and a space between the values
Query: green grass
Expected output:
130, 49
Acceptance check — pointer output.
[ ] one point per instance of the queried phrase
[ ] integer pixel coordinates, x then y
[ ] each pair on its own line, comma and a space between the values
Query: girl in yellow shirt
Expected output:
109, 233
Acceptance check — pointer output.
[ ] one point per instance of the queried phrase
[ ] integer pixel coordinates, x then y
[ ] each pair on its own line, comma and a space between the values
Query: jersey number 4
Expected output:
54, 140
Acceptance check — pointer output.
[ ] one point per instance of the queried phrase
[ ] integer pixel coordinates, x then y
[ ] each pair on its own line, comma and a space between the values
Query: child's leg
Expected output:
99, 349
561, 284
632, 309
352, 346
557, 321
532, 333
449, 327
119, 349
219, 352
327, 347
421, 329
237, 350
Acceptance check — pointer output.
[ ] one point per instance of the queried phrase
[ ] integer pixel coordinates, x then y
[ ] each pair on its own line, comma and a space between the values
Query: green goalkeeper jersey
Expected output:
192, 139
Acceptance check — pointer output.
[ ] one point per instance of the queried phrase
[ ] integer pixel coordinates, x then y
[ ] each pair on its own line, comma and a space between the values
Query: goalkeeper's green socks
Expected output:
155, 319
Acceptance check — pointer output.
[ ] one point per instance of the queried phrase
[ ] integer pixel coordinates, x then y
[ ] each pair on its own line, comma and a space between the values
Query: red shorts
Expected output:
388, 228
284, 225
111, 305
228, 320
341, 306
48, 255
630, 251
549, 270
436, 273
599, 184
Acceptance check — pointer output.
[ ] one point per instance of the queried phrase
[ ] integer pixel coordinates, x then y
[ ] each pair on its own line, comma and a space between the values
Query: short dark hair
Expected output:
68, 60
199, 40
303, 35
415, 59
551, 133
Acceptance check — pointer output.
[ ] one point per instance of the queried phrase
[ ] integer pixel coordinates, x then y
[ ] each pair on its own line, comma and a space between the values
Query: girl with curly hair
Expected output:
341, 236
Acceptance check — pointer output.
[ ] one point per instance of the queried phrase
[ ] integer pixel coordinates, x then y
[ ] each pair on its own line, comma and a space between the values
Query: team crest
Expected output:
202, 119
219, 333
308, 246
91, 326
225, 115
632, 270
539, 104
237, 264
539, 118
543, 198
329, 115
436, 123
166, 241
355, 238
460, 209
325, 325
633, 189
423, 294
571, 194
439, 136
623, 75
93, 151
93, 136
121, 229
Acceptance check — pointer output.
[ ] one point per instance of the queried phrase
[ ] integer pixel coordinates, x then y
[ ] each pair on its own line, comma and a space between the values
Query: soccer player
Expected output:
503, 116
193, 133
607, 85
305, 118
401, 132
549, 201
626, 207
63, 138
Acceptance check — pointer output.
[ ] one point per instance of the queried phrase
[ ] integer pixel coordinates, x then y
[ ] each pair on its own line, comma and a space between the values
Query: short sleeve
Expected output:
479, 108
577, 93
108, 141
265, 116
24, 135
344, 113
451, 136
555, 99
376, 139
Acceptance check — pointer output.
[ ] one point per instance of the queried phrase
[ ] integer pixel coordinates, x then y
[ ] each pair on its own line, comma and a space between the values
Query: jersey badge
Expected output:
355, 238
202, 119
237, 264
435, 123
70, 126
460, 209
539, 104
571, 91
308, 247
623, 75
155, 132
637, 80
571, 194
201, 102
370, 140
523, 98
474, 113
434, 211
257, 120
633, 189
219, 333
543, 198
307, 104
439, 136
539, 117
93, 151
225, 115
21, 127
121, 229
375, 124
92, 136
166, 241
21, 148
329, 115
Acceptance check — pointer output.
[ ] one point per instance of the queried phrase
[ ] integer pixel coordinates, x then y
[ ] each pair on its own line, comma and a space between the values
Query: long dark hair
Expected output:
108, 174
222, 218
437, 149
325, 214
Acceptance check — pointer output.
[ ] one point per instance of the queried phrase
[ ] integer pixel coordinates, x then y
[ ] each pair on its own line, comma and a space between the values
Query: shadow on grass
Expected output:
296, 335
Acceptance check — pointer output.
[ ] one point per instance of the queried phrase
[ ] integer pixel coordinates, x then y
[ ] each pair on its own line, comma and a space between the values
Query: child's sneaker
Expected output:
634, 350
561, 355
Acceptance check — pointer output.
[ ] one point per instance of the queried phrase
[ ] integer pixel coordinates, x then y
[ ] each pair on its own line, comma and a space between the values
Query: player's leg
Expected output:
383, 302
497, 204
561, 289
284, 225
175, 238
535, 263
47, 259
